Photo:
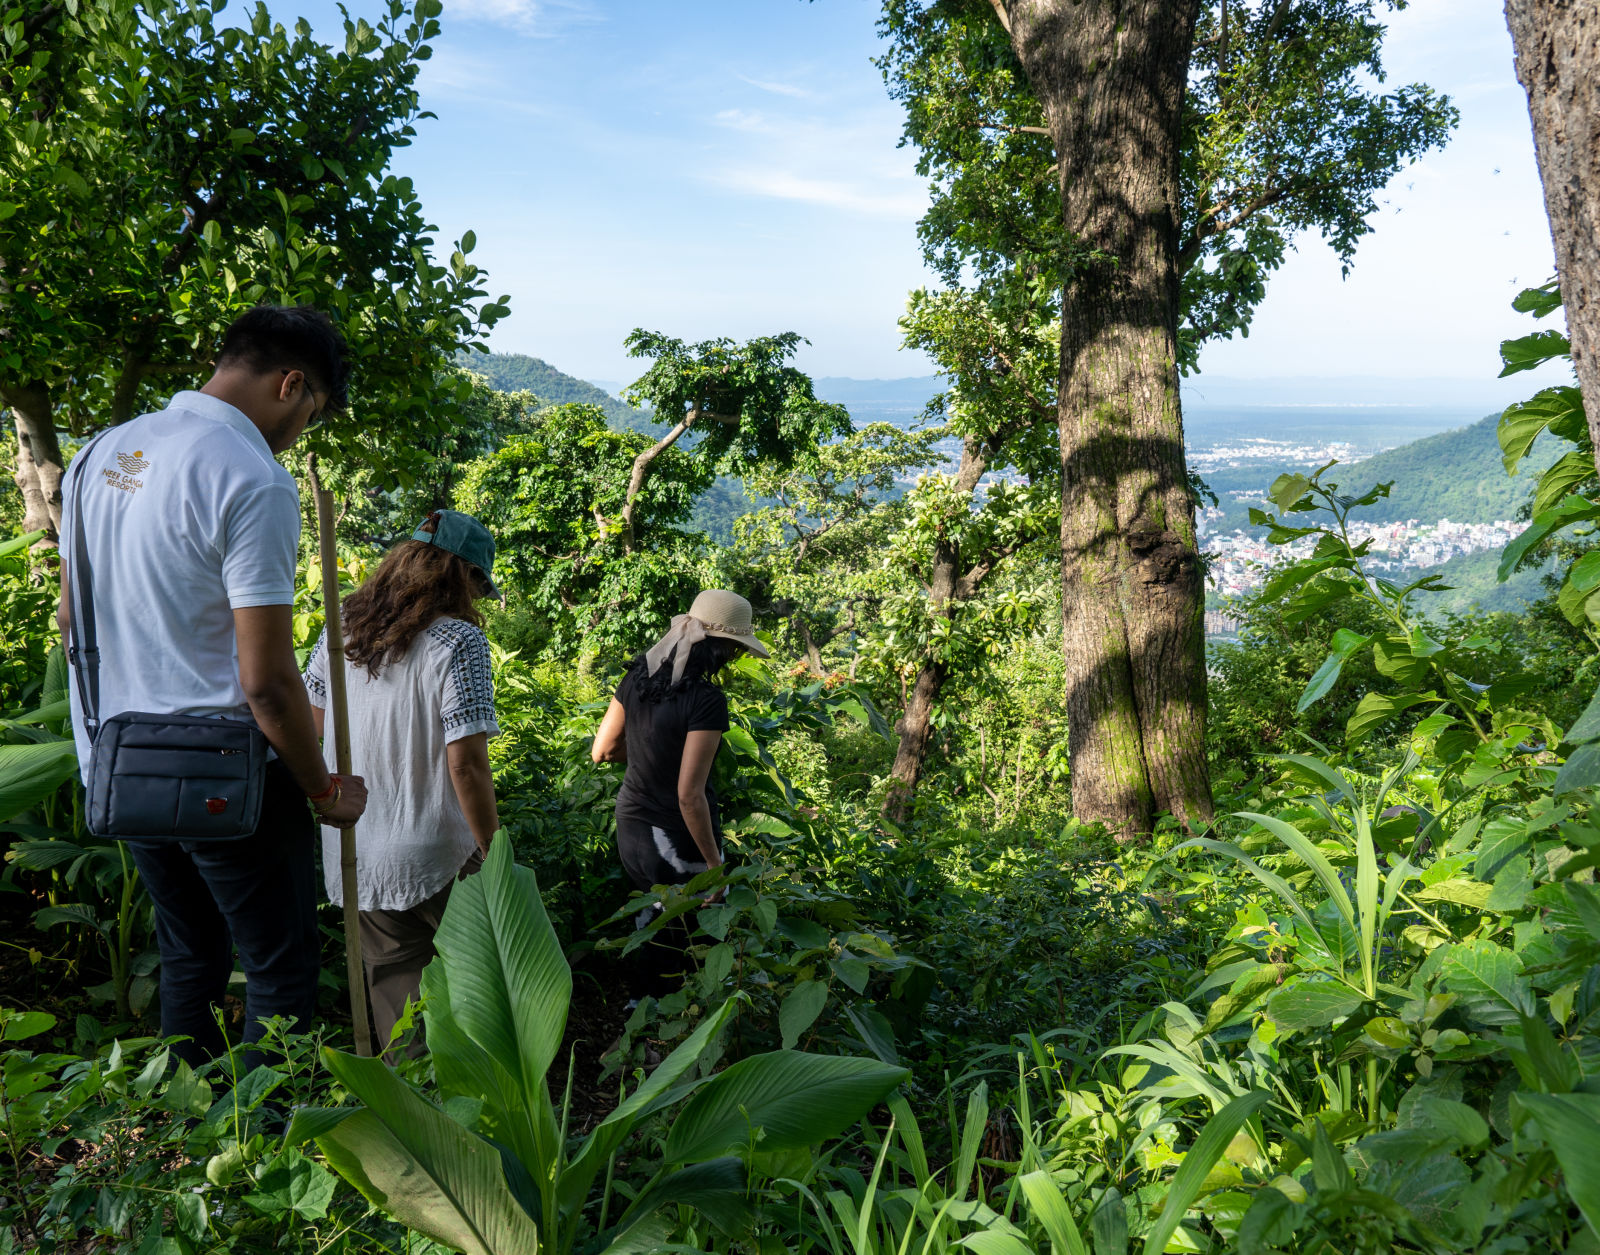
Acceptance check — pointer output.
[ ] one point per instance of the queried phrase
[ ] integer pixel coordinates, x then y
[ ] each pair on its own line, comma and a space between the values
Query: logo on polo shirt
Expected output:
127, 480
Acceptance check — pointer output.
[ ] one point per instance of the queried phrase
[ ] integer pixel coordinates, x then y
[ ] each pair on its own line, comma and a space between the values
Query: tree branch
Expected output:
1000, 12
641, 471
1210, 225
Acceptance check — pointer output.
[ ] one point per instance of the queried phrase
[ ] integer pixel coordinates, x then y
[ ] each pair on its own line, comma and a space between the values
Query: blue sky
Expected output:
729, 167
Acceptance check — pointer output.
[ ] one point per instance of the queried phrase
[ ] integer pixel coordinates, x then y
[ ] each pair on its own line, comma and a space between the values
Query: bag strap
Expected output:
83, 650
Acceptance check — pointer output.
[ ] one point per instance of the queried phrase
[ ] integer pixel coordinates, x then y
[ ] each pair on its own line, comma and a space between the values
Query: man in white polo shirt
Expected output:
192, 533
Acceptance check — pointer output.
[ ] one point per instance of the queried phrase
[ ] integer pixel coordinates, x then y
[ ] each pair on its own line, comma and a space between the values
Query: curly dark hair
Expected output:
415, 584
706, 658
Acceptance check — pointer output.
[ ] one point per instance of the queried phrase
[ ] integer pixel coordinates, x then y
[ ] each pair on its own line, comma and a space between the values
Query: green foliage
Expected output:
118, 1146
1566, 503
380, 505
28, 595
760, 411
504, 1179
174, 170
818, 547
546, 493
1284, 132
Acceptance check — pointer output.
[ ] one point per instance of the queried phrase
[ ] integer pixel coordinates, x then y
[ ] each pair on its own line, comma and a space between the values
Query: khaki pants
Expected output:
395, 947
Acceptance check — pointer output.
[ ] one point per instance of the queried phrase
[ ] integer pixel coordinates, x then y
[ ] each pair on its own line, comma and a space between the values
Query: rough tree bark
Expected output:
1557, 46
1110, 74
39, 460
947, 584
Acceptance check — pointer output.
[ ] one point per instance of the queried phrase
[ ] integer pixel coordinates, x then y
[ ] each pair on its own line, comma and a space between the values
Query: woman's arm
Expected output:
610, 742
468, 760
699, 749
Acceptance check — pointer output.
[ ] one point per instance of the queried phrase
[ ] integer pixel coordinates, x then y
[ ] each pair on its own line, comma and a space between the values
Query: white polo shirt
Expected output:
188, 517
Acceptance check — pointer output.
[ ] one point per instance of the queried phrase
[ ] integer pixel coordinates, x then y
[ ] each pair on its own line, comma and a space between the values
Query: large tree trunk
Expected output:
39, 461
945, 587
1558, 61
1111, 78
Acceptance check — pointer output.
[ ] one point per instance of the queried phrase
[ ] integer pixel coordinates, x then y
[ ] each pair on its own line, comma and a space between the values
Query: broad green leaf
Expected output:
293, 1183
1580, 771
717, 1188
20, 1025
1197, 1163
1587, 728
1534, 349
1571, 509
799, 1010
1287, 489
1567, 1122
1520, 425
510, 985
1311, 1004
31, 773
1109, 1224
525, 1123
1376, 708
1473, 893
1246, 989
1052, 1213
1489, 981
1269, 1225
1568, 471
1345, 642
410, 1160
793, 1099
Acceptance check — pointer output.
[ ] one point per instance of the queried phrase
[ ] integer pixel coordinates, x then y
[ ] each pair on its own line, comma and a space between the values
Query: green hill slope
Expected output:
516, 372
1455, 475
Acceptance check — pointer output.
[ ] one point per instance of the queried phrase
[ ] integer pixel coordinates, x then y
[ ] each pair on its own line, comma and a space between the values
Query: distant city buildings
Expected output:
1241, 562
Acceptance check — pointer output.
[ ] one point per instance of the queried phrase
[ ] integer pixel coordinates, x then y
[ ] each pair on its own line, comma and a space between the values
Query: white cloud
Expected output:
777, 89
878, 198
541, 19
742, 120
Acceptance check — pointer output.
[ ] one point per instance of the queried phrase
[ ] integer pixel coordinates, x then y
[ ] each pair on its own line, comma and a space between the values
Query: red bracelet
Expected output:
333, 790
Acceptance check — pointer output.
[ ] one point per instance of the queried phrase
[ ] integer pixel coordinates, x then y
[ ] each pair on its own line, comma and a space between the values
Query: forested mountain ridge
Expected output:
1455, 475
517, 372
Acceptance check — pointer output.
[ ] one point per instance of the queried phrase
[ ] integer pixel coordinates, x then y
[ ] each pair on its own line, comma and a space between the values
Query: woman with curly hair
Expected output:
421, 702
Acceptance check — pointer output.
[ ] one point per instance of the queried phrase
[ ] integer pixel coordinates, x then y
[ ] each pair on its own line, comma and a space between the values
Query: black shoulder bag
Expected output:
158, 777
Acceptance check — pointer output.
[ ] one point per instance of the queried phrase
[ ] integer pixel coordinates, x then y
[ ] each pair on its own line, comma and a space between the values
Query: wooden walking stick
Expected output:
339, 710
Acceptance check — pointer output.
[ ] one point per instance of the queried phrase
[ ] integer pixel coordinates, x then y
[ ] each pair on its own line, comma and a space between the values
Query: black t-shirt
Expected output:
655, 733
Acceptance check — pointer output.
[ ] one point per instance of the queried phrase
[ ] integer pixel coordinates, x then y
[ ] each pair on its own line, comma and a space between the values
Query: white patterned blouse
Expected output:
414, 837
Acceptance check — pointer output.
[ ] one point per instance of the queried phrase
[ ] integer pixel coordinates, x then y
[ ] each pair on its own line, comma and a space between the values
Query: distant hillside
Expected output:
516, 372
911, 391
1456, 475
1474, 583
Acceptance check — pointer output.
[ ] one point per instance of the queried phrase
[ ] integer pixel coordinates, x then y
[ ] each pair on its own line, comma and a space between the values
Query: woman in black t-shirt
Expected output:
666, 723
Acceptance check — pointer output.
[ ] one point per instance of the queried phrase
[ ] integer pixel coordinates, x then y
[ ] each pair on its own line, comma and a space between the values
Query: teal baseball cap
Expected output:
463, 536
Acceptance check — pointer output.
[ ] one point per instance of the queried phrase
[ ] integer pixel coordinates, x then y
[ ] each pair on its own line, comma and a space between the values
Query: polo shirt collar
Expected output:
219, 411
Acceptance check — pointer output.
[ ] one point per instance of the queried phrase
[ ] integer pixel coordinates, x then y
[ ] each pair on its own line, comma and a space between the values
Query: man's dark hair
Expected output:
291, 337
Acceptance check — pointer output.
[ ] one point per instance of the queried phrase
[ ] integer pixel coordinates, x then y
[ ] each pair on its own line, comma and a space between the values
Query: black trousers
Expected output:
257, 893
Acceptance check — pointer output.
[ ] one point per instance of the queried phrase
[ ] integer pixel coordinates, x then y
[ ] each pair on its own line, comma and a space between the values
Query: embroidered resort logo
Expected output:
132, 464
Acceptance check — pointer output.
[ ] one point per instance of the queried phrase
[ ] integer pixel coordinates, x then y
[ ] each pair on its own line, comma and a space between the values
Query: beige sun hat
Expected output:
715, 612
